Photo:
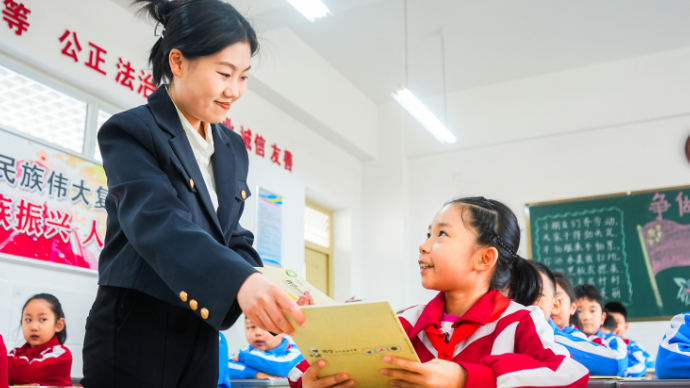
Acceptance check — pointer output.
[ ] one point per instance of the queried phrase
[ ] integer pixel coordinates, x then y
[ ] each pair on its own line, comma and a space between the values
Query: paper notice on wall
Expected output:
269, 231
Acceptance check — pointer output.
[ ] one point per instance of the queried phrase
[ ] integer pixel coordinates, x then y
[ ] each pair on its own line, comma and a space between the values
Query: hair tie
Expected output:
155, 31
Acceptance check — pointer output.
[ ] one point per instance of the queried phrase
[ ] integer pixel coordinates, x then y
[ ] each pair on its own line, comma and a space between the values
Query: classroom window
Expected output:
102, 118
317, 227
38, 110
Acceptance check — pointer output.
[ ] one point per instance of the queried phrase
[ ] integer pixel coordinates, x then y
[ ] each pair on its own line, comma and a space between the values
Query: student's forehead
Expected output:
587, 302
449, 215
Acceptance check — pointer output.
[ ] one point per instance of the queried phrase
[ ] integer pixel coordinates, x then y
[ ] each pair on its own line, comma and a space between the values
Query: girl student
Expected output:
598, 359
470, 335
43, 359
4, 381
566, 318
177, 266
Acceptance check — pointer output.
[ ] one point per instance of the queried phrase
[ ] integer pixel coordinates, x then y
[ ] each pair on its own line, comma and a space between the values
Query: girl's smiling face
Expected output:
38, 322
449, 259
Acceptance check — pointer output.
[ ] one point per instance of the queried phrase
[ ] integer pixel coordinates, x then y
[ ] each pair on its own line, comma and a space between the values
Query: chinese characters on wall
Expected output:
257, 144
589, 248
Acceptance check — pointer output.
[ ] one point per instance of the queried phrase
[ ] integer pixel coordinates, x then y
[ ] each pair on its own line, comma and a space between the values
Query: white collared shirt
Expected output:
203, 150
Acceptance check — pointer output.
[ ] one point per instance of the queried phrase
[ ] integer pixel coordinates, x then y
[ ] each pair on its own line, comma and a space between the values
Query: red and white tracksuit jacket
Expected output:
4, 382
47, 364
499, 343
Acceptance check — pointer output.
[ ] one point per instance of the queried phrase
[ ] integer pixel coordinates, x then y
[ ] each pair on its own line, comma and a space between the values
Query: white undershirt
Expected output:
203, 150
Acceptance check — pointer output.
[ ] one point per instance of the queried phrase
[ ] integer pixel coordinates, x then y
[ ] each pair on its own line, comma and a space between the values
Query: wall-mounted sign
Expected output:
52, 203
269, 227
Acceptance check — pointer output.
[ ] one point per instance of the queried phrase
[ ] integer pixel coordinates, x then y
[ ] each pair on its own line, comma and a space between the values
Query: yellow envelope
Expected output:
294, 285
353, 338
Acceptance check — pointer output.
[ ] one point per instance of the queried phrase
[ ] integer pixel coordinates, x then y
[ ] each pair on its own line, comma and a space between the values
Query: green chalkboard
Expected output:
634, 247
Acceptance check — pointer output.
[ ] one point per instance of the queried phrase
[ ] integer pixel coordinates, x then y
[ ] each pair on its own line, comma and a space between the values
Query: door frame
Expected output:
328, 251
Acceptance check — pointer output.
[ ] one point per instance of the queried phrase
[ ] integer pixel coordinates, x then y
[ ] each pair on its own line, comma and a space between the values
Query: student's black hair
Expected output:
610, 323
197, 28
495, 225
615, 306
568, 288
541, 267
56, 307
590, 292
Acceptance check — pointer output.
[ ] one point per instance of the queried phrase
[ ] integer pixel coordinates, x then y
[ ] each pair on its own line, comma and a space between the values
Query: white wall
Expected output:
603, 129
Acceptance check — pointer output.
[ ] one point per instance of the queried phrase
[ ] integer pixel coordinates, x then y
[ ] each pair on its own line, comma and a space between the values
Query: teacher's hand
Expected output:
263, 302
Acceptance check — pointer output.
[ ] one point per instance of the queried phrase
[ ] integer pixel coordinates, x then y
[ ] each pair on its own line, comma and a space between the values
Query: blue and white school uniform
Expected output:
638, 360
599, 359
673, 358
223, 378
276, 362
616, 344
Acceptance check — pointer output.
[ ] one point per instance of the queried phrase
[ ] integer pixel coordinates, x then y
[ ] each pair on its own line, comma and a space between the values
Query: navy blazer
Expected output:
164, 237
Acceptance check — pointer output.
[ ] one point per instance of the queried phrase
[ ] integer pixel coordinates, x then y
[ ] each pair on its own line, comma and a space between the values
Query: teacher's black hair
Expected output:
197, 28
56, 307
495, 225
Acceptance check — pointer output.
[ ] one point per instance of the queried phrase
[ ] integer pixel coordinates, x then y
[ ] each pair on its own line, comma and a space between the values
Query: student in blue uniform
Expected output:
177, 266
673, 357
590, 310
600, 360
639, 359
265, 357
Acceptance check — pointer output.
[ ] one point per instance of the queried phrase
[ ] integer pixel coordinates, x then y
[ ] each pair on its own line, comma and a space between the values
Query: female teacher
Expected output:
177, 266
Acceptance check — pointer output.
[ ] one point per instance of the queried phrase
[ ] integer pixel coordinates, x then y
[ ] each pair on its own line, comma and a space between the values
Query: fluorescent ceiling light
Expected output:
415, 107
311, 9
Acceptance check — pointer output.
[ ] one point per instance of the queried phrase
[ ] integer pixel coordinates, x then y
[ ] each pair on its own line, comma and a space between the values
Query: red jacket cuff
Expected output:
479, 376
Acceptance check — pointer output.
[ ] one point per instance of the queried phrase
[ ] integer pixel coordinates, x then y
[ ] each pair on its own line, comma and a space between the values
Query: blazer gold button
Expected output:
244, 194
191, 183
183, 296
204, 313
193, 304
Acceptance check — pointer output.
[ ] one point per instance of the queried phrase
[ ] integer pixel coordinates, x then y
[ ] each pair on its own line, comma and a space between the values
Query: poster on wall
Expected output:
269, 230
52, 203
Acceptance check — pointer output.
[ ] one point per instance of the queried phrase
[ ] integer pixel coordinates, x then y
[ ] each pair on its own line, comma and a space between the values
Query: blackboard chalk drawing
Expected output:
684, 290
665, 245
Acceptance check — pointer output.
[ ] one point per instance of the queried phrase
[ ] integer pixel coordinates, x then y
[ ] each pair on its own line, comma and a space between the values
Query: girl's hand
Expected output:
263, 302
310, 378
435, 373
306, 299
236, 357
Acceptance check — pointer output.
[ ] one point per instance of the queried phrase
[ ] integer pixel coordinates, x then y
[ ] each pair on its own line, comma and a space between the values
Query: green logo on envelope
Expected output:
291, 273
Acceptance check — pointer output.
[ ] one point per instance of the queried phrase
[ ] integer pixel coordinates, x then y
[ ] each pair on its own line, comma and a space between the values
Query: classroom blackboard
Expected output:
634, 247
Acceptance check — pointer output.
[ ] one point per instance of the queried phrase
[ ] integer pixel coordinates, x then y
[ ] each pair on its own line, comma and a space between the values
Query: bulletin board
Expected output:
52, 203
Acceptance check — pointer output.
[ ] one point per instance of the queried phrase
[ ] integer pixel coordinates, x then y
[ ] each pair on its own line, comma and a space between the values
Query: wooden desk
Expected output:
602, 383
653, 383
251, 383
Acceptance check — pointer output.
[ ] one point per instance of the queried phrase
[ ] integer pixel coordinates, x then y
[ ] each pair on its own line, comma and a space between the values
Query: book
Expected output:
295, 285
353, 338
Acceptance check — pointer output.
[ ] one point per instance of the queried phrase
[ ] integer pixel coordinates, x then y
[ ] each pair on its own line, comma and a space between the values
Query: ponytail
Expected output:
496, 225
525, 284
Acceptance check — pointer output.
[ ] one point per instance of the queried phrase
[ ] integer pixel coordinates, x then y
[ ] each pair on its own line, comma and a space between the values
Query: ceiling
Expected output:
486, 42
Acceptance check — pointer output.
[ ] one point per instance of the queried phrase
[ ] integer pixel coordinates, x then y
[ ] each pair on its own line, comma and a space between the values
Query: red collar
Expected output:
487, 309
27, 350
479, 313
